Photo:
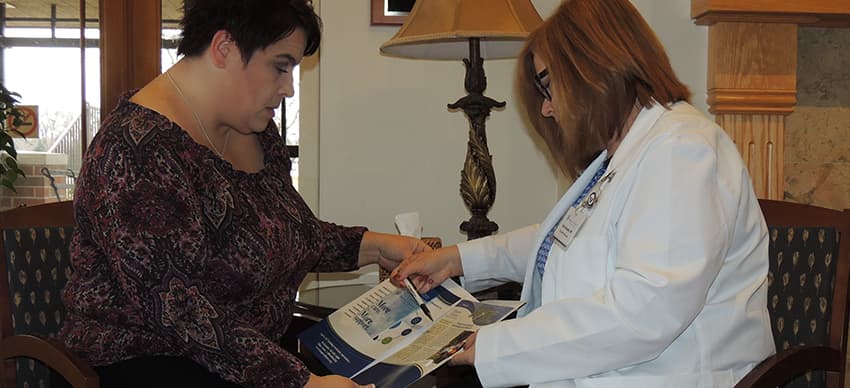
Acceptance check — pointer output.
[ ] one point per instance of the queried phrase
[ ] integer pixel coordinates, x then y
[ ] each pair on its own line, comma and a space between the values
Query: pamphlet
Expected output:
383, 337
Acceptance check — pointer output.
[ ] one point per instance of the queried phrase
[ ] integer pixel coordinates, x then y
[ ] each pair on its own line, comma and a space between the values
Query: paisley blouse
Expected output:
177, 253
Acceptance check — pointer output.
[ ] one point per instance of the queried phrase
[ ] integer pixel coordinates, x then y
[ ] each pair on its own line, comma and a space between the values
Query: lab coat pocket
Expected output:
721, 379
579, 271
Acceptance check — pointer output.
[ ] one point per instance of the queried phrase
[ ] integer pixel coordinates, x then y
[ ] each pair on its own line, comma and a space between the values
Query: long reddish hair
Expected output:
603, 60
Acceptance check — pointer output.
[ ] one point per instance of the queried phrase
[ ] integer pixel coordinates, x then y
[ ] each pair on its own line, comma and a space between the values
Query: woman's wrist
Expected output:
454, 262
369, 249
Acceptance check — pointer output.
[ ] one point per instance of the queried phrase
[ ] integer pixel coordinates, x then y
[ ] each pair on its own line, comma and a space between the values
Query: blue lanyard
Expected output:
546, 246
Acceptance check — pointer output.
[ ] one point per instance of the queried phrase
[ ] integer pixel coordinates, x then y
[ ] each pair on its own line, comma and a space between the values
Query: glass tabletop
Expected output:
334, 296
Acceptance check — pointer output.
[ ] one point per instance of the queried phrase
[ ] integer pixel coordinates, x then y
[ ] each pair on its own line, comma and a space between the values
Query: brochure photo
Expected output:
383, 337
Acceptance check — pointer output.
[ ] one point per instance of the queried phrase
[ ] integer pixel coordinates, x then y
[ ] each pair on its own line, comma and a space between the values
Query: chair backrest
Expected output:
35, 265
809, 280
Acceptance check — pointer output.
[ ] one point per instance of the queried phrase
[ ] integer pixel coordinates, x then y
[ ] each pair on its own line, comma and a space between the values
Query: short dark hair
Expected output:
252, 24
603, 59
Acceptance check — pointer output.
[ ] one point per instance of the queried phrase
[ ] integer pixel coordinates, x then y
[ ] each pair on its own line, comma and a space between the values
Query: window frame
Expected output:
129, 49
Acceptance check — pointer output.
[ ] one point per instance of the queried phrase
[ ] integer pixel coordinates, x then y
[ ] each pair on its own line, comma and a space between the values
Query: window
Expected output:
50, 53
36, 36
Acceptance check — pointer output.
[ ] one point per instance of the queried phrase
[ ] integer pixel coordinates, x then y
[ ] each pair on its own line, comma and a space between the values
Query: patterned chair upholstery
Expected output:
807, 296
34, 244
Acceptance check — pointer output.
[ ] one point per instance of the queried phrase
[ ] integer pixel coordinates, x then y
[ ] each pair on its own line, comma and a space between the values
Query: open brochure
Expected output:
383, 337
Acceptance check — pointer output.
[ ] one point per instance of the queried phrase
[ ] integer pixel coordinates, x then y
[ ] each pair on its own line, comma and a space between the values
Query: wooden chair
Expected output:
34, 267
809, 281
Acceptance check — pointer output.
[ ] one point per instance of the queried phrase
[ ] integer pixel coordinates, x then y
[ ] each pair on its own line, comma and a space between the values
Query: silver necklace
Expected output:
198, 119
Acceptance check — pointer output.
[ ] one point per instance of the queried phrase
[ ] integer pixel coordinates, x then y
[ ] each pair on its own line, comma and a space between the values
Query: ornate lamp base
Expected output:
477, 179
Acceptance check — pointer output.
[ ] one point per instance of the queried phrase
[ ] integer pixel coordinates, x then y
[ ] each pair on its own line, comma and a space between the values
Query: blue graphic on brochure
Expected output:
383, 337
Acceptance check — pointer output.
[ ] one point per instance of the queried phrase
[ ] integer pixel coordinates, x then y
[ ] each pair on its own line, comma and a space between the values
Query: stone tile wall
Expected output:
817, 135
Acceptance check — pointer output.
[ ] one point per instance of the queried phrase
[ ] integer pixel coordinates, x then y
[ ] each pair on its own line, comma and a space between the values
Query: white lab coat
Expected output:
663, 286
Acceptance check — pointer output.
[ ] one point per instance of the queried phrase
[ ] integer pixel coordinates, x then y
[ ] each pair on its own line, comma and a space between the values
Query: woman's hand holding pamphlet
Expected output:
383, 337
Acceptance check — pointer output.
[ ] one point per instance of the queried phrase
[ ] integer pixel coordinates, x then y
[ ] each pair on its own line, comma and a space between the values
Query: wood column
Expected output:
752, 73
752, 81
131, 42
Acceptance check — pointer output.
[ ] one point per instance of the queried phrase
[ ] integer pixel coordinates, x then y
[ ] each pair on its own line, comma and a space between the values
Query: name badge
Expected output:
569, 226
577, 215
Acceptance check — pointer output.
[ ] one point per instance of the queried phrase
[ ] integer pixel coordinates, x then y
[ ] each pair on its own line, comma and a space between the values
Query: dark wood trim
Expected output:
824, 13
84, 116
52, 214
778, 369
832, 355
130, 46
54, 355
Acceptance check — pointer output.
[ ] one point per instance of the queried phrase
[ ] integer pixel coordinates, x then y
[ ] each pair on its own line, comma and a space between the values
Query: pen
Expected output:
417, 297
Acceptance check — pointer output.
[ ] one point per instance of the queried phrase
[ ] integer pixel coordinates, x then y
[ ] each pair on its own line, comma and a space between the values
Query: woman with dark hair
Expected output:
651, 269
190, 240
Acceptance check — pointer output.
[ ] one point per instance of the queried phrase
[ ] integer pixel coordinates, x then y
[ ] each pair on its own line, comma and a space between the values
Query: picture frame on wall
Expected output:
389, 12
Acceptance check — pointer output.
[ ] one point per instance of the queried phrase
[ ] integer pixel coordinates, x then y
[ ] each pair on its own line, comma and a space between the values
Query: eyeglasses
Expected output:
538, 83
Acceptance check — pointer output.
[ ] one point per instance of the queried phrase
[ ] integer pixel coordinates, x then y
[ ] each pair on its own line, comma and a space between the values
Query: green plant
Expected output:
10, 119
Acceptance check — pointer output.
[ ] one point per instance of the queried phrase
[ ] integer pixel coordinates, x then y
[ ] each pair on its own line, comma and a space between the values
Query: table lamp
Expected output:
471, 30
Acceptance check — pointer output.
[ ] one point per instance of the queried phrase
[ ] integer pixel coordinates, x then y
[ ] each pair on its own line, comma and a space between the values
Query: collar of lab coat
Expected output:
631, 142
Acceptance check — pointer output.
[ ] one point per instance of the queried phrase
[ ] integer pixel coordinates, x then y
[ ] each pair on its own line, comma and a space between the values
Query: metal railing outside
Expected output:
69, 142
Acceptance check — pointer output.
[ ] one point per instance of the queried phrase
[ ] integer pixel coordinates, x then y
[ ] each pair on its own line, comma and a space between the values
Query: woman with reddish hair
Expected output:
651, 269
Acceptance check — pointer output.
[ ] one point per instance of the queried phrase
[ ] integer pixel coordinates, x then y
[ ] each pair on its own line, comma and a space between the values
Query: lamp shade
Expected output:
440, 29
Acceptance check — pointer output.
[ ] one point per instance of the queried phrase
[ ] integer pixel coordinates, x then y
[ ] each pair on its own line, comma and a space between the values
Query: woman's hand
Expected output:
332, 381
429, 269
388, 250
467, 356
